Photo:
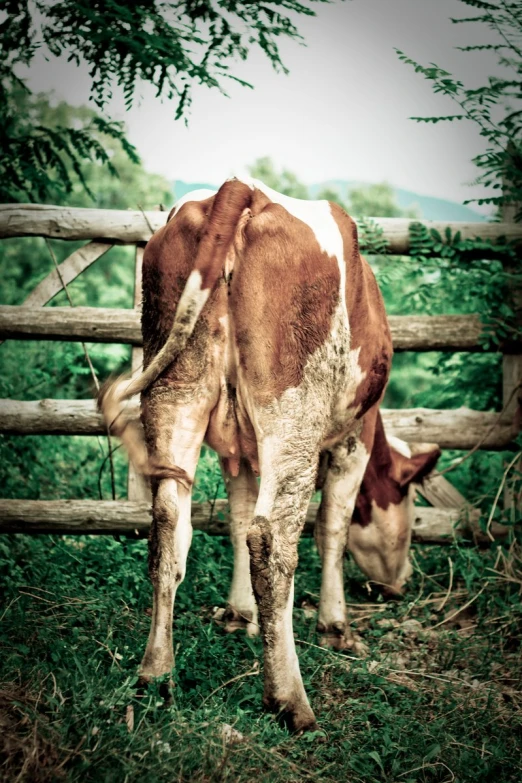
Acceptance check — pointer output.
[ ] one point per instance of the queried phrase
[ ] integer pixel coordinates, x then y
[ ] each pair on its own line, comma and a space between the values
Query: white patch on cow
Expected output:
195, 195
192, 301
422, 448
316, 214
399, 445
269, 450
293, 672
170, 573
332, 525
287, 682
381, 548
241, 597
242, 495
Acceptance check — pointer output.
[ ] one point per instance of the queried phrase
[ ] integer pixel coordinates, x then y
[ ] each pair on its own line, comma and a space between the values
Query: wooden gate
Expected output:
462, 428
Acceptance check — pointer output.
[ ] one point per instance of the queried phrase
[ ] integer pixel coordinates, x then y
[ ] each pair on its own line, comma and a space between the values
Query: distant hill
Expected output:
179, 188
429, 207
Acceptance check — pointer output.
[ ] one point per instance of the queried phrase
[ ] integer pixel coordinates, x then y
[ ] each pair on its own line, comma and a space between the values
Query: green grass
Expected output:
425, 705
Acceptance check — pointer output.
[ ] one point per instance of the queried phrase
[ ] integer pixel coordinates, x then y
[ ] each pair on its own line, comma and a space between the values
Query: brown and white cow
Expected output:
264, 336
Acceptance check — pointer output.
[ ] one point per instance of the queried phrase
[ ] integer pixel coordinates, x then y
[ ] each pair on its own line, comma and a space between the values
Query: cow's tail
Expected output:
230, 201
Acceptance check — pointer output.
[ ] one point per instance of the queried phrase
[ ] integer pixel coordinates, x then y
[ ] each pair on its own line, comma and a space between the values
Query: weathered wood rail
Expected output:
460, 428
131, 227
107, 325
96, 517
455, 429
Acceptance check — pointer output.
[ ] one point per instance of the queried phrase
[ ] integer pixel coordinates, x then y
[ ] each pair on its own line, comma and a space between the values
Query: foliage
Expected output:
285, 181
445, 276
38, 160
377, 200
69, 467
26, 261
482, 283
172, 45
476, 285
495, 107
72, 179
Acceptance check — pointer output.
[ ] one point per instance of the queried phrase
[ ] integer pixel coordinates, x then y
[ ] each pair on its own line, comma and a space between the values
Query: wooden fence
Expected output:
453, 429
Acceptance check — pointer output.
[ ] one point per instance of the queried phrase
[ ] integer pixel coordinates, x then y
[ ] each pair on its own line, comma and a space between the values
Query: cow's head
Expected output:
380, 533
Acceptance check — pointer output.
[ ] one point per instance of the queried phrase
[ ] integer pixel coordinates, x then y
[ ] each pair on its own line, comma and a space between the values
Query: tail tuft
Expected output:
111, 403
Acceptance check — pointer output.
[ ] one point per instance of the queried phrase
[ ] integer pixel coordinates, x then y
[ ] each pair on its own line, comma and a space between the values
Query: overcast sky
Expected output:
342, 113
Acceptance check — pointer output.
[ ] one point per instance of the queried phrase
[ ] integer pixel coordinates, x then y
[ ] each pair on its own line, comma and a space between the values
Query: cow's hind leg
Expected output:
288, 479
174, 435
346, 465
242, 490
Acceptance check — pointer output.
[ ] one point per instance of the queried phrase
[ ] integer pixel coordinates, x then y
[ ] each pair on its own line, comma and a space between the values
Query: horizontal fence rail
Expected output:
460, 428
129, 227
108, 325
81, 517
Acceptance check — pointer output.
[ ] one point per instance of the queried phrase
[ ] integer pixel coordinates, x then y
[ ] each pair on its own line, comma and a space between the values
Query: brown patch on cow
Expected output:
388, 473
369, 327
408, 470
247, 440
376, 377
283, 295
377, 484
222, 433
167, 262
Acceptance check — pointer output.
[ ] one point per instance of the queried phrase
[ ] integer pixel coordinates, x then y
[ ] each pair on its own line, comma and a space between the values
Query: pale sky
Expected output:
342, 113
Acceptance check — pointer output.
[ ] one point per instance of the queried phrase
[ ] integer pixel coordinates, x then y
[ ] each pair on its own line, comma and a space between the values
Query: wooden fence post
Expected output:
137, 488
512, 369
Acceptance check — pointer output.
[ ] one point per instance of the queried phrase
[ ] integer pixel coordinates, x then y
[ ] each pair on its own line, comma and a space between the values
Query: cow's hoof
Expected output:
297, 725
298, 719
237, 620
359, 647
392, 593
339, 637
165, 686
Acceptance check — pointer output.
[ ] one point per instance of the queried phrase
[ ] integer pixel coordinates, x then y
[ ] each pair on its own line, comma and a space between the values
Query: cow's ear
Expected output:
408, 470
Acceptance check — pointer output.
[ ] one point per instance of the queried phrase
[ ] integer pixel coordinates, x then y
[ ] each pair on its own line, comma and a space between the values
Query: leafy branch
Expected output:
490, 106
172, 44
